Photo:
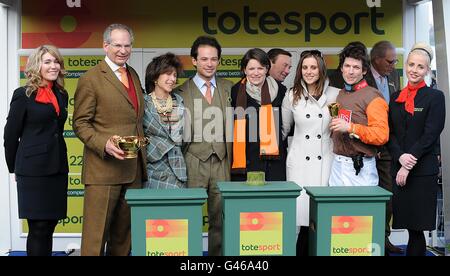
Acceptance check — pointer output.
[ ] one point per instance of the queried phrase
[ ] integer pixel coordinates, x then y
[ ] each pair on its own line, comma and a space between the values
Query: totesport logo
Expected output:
352, 236
166, 237
261, 233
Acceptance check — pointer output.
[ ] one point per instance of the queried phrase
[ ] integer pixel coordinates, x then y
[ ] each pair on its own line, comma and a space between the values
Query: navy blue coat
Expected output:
33, 136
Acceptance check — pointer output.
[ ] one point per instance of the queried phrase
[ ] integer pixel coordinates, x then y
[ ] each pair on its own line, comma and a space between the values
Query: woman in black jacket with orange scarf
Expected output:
416, 120
257, 99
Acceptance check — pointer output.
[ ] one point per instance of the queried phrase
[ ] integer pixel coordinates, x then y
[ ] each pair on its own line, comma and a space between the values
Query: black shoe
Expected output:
392, 248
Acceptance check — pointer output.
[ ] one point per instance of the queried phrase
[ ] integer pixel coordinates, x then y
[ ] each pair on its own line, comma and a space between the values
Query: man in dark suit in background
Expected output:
382, 73
383, 76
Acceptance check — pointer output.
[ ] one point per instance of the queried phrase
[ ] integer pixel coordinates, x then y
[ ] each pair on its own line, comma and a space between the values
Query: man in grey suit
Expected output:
206, 152
383, 76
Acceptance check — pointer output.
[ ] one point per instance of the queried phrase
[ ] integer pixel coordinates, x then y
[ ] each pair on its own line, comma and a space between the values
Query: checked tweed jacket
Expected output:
166, 167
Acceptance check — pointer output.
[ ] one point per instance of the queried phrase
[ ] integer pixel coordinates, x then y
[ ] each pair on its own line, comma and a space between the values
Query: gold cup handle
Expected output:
142, 142
115, 140
333, 108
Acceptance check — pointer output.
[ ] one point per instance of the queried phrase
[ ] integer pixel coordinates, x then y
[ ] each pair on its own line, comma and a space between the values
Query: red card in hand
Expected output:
345, 114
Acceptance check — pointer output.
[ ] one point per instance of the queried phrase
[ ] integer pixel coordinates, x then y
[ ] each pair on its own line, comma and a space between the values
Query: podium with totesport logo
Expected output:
259, 220
166, 222
347, 221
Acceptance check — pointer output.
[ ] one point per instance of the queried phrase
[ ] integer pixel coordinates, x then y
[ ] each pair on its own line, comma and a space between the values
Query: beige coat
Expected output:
103, 109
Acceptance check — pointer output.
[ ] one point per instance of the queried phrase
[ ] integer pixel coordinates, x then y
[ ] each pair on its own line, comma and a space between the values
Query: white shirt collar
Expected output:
201, 82
114, 67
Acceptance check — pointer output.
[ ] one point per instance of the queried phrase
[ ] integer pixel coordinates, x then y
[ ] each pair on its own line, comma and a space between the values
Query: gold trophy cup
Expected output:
131, 145
333, 108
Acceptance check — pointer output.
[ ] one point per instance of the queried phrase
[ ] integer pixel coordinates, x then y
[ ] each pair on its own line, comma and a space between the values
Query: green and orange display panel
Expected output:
347, 221
166, 222
259, 220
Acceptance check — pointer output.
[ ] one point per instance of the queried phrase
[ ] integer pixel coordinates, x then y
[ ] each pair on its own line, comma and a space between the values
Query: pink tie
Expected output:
208, 95
124, 77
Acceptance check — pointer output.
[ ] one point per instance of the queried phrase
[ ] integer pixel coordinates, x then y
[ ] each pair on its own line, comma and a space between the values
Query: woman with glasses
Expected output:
311, 151
257, 101
416, 120
163, 124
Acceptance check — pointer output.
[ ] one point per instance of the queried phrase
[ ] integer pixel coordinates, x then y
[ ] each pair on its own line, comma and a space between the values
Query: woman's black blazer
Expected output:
33, 135
418, 134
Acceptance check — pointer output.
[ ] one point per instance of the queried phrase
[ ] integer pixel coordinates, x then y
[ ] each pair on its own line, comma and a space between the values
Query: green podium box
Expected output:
166, 222
259, 220
347, 221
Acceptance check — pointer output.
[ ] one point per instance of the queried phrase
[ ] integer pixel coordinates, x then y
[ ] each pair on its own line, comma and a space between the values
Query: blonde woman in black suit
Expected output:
35, 149
416, 120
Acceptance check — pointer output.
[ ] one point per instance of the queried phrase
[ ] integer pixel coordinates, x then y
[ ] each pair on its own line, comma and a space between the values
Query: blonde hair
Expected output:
33, 68
424, 49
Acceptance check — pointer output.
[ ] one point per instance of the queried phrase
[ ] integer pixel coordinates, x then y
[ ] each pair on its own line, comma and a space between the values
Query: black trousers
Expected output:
303, 241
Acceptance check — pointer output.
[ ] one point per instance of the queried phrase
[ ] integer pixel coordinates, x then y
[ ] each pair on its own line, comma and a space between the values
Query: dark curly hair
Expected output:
356, 50
160, 65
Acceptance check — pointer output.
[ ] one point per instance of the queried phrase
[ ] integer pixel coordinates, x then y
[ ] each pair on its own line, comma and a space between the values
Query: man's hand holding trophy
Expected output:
125, 147
341, 123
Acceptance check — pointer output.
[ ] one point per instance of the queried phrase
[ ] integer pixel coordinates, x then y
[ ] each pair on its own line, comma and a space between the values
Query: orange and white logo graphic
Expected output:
166, 237
351, 236
261, 233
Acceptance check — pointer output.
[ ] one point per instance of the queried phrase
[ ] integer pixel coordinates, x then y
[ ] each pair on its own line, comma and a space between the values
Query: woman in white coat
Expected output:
310, 154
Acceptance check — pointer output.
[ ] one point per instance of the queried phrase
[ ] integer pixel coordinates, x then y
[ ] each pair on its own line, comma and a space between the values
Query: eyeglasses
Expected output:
311, 52
119, 46
392, 62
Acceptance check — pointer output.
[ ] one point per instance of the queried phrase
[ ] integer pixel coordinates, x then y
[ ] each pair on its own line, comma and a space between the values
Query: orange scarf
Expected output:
268, 144
408, 94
